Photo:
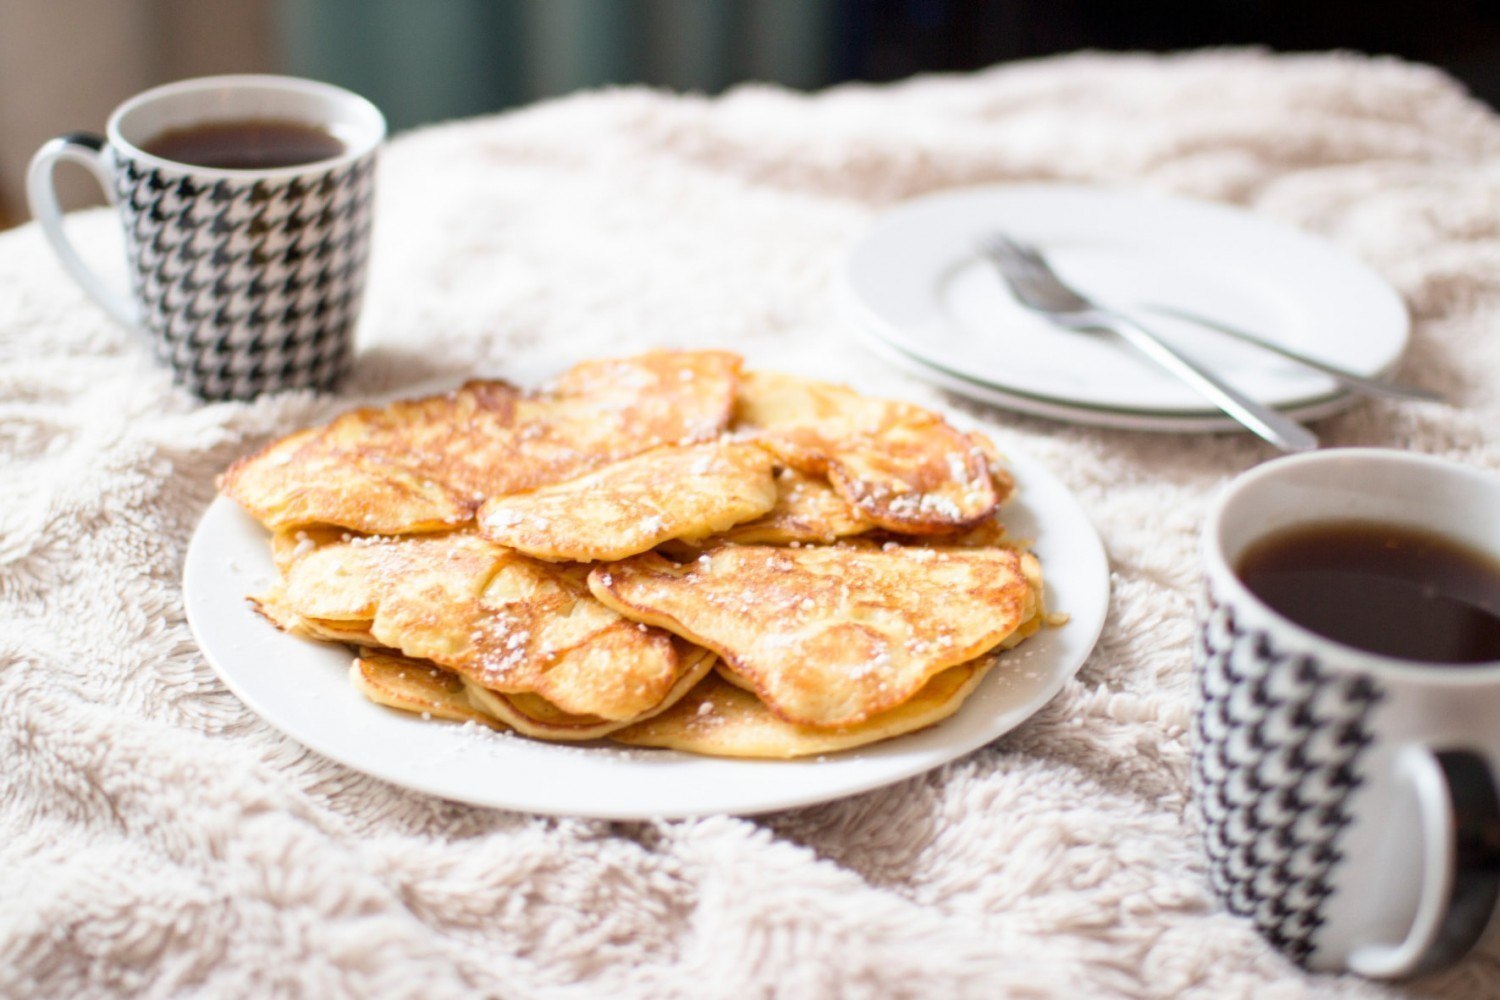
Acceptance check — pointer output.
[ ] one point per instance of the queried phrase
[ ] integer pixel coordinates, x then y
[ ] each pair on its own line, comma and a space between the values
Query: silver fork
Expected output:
1037, 287
1359, 383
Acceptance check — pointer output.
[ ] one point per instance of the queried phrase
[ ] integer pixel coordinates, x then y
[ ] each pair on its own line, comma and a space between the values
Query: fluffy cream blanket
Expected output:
156, 837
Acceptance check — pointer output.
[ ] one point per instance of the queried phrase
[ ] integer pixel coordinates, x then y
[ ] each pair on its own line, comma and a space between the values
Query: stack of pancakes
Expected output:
664, 550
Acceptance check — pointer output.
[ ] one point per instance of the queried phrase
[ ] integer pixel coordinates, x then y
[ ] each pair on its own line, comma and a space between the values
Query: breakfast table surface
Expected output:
157, 837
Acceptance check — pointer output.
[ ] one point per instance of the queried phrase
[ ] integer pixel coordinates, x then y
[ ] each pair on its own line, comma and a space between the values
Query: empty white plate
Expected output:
916, 283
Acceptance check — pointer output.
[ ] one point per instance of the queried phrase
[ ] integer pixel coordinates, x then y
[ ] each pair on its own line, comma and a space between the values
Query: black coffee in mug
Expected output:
246, 144
1383, 588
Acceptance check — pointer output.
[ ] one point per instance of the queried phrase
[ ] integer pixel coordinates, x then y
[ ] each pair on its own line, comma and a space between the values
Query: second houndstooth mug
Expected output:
246, 279
1349, 799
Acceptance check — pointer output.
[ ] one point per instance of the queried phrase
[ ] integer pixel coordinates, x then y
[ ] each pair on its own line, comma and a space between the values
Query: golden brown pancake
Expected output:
534, 716
903, 467
426, 465
634, 505
774, 400
829, 636
720, 719
290, 544
1000, 477
506, 621
807, 509
349, 633
272, 606
414, 686
987, 534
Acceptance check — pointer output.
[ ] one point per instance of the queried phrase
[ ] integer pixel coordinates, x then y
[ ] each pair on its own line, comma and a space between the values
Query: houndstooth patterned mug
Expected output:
246, 281
1349, 800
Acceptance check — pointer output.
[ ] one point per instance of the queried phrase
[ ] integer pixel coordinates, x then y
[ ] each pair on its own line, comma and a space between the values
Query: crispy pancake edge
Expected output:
699, 663
689, 727
408, 685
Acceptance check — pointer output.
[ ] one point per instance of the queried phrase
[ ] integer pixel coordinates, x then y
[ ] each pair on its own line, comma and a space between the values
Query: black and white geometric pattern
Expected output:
1280, 740
248, 285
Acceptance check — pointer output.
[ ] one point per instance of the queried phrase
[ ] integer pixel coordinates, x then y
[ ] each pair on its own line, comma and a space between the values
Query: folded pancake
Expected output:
830, 636
501, 619
290, 544
904, 467
634, 505
807, 509
537, 717
413, 686
987, 534
777, 400
427, 464
349, 633
272, 606
722, 720
1000, 477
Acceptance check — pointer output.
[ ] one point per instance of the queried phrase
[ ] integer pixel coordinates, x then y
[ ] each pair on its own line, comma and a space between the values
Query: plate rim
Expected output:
986, 394
1093, 600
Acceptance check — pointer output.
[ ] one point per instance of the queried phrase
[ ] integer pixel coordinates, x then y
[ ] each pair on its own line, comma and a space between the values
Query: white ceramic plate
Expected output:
1180, 423
303, 689
915, 281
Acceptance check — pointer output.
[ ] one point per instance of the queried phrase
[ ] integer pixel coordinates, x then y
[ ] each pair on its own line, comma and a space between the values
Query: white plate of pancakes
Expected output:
302, 685
920, 295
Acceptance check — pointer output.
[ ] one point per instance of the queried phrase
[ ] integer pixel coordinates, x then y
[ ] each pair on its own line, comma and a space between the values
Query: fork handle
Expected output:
1375, 387
1277, 428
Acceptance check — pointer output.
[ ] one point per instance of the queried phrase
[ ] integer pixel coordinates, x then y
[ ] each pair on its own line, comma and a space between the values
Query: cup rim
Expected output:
1334, 654
363, 108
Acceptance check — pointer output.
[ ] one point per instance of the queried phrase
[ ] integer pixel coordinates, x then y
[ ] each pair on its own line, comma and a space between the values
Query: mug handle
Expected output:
89, 150
1459, 816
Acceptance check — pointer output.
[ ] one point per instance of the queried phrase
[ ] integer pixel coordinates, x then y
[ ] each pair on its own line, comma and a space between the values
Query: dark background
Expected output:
65, 63
889, 39
442, 59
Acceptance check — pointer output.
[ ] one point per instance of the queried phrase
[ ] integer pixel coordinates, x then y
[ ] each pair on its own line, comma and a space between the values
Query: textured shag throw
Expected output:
157, 838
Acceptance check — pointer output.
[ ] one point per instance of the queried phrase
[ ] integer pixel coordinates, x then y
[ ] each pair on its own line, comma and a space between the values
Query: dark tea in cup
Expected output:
247, 144
1381, 587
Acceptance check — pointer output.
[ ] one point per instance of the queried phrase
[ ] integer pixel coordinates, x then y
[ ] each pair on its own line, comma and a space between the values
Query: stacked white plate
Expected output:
921, 296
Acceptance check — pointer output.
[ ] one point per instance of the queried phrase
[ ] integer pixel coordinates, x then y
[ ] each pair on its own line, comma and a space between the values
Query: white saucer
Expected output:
302, 688
915, 282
